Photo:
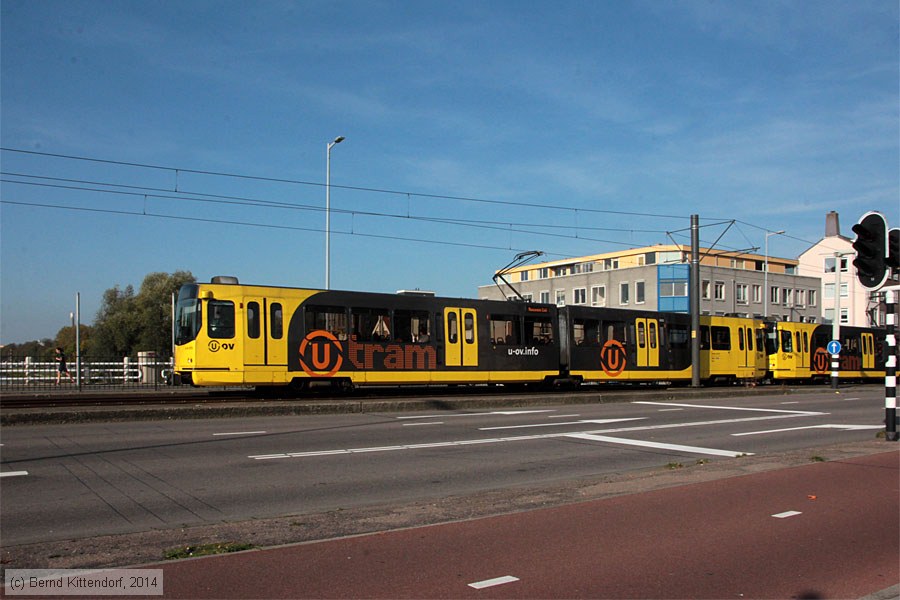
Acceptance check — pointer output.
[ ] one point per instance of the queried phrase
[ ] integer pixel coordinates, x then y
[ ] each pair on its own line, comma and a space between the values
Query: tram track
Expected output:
433, 396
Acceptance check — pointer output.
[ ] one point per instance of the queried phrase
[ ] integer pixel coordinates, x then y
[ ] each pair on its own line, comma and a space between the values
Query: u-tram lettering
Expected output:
401, 357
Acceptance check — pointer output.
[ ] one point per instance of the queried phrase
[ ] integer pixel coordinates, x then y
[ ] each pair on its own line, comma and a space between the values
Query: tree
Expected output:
128, 323
65, 339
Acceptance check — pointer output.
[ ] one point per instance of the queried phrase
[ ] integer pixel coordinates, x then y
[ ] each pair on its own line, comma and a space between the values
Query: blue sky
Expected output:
569, 127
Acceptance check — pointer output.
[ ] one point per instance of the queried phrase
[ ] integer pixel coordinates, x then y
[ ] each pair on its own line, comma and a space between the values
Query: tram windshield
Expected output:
188, 315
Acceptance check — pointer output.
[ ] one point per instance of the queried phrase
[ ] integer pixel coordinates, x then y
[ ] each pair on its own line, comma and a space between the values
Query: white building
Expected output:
831, 260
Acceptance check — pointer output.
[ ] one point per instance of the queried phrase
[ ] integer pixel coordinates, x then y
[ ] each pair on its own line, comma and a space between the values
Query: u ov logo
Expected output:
612, 358
321, 354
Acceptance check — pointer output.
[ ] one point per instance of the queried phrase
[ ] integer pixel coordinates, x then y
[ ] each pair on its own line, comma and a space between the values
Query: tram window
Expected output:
760, 339
412, 326
805, 341
652, 333
740, 338
721, 338
504, 329
641, 335
538, 330
797, 341
329, 318
586, 332
787, 343
221, 319
276, 320
704, 337
188, 317
749, 339
469, 324
253, 320
452, 328
371, 324
679, 337
614, 330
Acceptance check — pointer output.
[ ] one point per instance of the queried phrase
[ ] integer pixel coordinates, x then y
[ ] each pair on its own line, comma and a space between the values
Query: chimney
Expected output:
832, 225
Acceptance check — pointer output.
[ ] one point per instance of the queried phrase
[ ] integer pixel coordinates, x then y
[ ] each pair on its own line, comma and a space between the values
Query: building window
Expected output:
545, 297
813, 297
800, 297
845, 290
740, 293
757, 293
579, 296
829, 265
773, 294
560, 297
623, 293
829, 291
705, 290
845, 316
720, 290
598, 295
523, 276
673, 289
787, 295
639, 294
543, 273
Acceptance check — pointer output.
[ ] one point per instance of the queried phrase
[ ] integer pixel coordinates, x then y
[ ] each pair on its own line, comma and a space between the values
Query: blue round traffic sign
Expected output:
833, 347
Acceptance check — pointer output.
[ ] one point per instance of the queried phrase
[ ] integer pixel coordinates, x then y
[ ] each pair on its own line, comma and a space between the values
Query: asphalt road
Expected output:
73, 481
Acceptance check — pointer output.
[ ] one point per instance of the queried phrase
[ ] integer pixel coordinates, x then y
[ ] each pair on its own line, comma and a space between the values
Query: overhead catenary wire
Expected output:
480, 223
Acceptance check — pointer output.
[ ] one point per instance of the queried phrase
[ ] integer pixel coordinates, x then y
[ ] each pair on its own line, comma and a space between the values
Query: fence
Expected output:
29, 374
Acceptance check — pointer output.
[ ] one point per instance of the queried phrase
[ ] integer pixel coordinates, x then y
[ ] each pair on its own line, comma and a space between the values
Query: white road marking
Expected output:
743, 408
829, 426
786, 514
13, 473
595, 421
507, 413
480, 585
428, 423
645, 444
669, 409
792, 402
240, 433
550, 417
783, 415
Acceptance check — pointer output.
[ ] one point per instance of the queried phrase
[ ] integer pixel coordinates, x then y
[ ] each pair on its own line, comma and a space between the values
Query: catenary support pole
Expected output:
78, 340
695, 300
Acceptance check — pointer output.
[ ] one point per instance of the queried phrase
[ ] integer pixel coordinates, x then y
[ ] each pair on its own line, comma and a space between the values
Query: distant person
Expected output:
423, 335
62, 367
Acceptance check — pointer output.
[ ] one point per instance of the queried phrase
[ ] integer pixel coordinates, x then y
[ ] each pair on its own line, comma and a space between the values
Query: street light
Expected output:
337, 140
766, 273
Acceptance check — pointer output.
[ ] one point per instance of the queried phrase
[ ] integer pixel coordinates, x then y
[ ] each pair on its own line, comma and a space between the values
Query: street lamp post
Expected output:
766, 273
337, 140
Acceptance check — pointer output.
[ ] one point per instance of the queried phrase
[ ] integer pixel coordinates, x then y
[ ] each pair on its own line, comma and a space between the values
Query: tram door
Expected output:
647, 342
254, 332
868, 351
460, 337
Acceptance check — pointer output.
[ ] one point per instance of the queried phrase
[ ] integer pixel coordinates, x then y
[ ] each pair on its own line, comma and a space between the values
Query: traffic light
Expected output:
893, 259
871, 245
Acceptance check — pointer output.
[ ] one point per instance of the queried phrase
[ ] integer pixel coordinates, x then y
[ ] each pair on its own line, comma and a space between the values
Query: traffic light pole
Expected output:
890, 365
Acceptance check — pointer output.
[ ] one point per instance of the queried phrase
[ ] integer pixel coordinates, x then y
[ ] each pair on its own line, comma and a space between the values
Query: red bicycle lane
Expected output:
824, 530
